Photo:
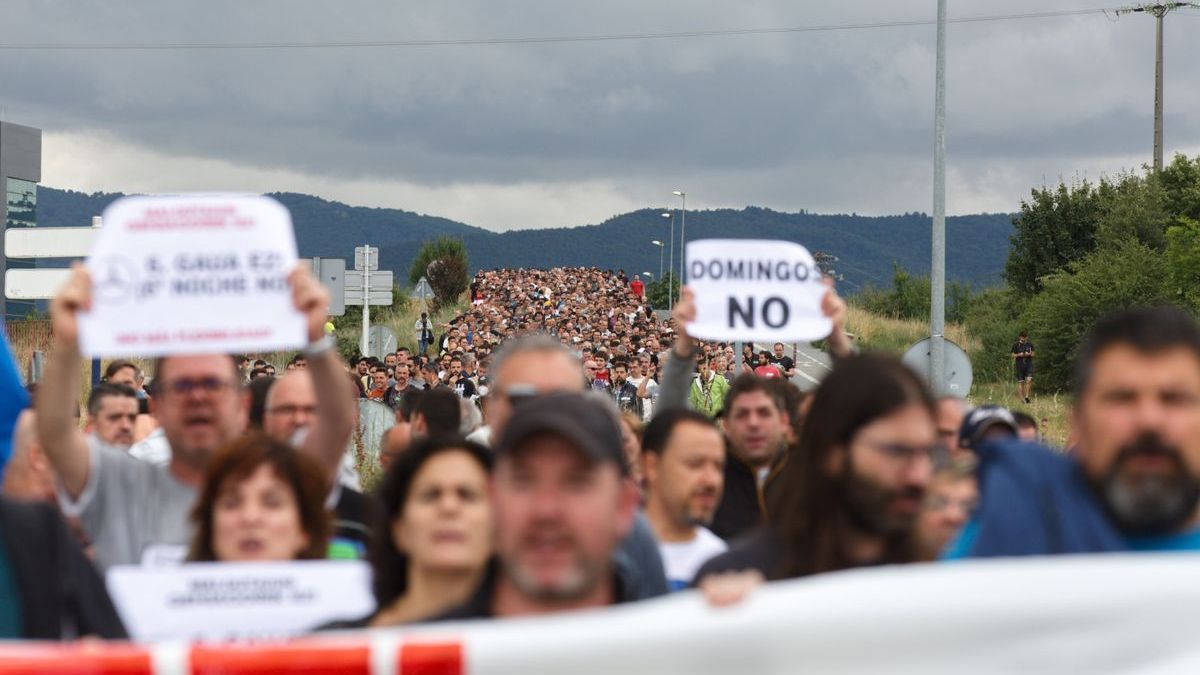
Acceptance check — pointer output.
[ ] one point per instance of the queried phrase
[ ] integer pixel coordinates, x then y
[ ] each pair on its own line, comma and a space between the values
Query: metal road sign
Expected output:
379, 281
331, 272
40, 284
354, 297
366, 258
423, 291
381, 341
48, 242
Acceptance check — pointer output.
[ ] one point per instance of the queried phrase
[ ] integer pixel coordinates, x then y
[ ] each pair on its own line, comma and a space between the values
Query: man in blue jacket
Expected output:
1133, 481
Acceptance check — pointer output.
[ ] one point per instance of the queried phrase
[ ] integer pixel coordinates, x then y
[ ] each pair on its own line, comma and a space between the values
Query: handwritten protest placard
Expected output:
192, 274
756, 290
224, 601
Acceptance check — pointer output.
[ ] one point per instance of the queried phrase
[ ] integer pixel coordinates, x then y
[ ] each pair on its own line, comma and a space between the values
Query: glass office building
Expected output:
20, 172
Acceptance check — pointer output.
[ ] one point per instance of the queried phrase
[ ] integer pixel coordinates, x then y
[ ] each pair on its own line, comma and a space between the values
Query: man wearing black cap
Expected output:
561, 504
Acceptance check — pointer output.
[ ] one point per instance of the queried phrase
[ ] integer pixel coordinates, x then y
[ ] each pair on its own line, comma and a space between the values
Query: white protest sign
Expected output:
192, 274
223, 601
755, 290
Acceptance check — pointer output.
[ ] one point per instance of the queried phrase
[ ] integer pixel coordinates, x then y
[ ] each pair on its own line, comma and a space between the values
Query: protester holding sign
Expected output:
128, 507
857, 487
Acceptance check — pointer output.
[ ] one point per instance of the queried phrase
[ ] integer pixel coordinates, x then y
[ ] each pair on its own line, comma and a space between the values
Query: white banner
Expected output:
192, 274
755, 290
222, 601
1071, 614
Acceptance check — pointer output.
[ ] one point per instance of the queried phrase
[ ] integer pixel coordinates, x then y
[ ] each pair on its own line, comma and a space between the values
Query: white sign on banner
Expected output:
192, 274
755, 290
224, 601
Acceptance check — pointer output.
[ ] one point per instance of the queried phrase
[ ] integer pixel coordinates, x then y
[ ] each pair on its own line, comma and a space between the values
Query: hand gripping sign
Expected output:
755, 290
192, 274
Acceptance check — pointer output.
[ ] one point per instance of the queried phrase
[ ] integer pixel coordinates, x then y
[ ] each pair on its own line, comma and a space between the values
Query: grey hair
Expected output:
472, 418
529, 344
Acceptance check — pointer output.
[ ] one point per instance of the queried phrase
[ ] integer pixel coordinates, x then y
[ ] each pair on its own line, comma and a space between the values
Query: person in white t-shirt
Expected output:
683, 461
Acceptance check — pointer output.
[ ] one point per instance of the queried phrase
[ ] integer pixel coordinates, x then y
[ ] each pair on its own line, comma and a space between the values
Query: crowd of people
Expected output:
563, 445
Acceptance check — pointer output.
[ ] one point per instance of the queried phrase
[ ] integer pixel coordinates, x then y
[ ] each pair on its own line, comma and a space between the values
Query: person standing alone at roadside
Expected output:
1022, 353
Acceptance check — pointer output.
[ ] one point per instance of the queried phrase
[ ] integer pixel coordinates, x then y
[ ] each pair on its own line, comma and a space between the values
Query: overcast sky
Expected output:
544, 135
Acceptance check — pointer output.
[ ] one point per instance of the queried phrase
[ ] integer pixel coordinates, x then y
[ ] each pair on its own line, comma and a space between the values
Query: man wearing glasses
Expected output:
135, 510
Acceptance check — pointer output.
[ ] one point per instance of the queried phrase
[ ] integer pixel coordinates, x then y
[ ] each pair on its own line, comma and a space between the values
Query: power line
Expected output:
374, 44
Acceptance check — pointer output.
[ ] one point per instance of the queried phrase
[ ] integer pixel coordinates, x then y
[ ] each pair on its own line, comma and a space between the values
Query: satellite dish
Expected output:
958, 366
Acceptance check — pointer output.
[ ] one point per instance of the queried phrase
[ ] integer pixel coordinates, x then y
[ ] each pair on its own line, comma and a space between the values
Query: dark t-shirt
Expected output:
1024, 352
464, 387
785, 363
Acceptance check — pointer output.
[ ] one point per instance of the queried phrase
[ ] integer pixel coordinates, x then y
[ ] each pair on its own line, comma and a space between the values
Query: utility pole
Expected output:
1158, 11
937, 304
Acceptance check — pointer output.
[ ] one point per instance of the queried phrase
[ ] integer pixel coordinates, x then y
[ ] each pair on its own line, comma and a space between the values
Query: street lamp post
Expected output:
671, 263
660, 246
682, 231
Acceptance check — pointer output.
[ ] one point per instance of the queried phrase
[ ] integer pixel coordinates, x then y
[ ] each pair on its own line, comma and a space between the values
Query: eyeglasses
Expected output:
940, 503
292, 410
208, 385
900, 453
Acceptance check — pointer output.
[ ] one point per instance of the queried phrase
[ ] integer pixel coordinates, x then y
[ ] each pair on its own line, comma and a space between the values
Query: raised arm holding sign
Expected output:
132, 508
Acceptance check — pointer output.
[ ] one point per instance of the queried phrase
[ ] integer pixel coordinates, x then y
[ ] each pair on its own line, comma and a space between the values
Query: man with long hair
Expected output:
856, 483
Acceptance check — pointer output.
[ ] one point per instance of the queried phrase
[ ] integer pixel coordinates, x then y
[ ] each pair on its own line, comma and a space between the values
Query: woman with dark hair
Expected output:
435, 539
855, 481
261, 501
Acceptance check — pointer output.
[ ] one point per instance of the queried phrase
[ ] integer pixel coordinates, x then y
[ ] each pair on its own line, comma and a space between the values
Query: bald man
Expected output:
290, 416
29, 475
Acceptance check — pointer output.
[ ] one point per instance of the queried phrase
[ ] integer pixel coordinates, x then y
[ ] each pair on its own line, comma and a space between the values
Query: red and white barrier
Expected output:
1127, 613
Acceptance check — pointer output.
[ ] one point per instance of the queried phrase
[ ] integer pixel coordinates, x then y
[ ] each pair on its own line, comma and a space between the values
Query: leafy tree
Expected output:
994, 320
1055, 227
1128, 273
1132, 206
910, 297
658, 294
1180, 182
1182, 259
448, 279
440, 248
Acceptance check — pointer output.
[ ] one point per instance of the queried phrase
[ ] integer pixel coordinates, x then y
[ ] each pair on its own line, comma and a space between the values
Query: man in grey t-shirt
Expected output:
133, 510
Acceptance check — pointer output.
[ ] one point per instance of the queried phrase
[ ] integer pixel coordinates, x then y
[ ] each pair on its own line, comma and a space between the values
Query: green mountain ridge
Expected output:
866, 246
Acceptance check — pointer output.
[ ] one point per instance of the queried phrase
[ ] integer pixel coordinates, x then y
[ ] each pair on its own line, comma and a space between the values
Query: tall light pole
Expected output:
682, 232
1158, 10
671, 264
661, 249
937, 304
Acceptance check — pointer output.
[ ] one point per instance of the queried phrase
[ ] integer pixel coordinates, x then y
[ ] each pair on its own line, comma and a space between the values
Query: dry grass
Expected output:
877, 333
1053, 408
873, 332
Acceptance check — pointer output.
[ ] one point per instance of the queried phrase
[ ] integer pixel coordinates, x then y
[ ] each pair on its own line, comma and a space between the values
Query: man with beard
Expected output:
562, 503
853, 494
683, 461
624, 392
1133, 482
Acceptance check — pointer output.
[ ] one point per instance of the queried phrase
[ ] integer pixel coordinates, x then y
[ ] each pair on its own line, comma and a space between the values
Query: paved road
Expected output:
812, 364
